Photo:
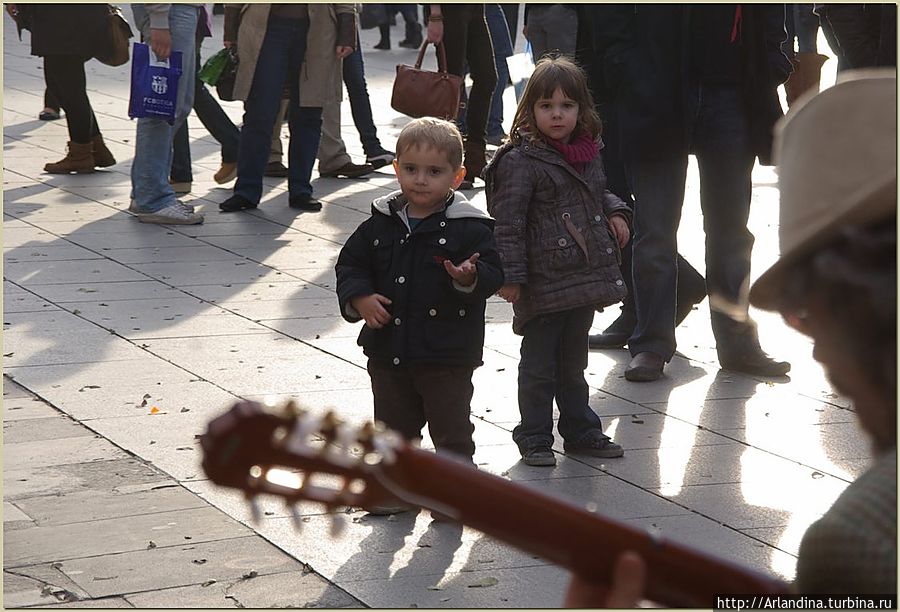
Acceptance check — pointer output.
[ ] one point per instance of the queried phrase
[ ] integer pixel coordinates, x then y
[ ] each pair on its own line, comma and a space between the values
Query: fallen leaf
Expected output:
152, 544
249, 575
147, 396
208, 583
88, 387
9, 354
76, 312
488, 581
435, 588
445, 599
105, 577
185, 410
198, 561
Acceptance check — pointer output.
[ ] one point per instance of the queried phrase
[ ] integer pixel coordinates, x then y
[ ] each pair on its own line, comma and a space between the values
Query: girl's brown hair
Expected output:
549, 74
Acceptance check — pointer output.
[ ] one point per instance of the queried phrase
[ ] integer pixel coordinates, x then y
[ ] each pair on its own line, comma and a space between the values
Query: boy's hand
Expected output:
620, 229
465, 273
626, 591
510, 292
372, 309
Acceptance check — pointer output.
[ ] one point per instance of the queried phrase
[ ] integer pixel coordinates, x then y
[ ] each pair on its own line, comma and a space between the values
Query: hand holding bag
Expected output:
422, 93
154, 84
118, 32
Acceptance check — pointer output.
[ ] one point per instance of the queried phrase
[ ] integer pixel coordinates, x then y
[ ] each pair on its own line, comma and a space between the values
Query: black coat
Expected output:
644, 52
432, 320
65, 29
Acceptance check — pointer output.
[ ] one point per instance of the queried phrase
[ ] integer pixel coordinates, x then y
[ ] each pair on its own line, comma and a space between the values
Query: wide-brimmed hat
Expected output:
836, 154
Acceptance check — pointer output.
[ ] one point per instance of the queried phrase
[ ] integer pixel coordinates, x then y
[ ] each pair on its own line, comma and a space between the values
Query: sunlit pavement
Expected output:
144, 333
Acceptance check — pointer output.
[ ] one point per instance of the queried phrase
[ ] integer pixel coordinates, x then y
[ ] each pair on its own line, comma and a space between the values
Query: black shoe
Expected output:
597, 444
383, 45
275, 169
645, 367
737, 344
236, 203
305, 202
380, 159
755, 363
48, 114
616, 335
539, 456
349, 170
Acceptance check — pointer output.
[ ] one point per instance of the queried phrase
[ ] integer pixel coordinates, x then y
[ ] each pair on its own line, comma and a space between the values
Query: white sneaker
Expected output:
176, 214
133, 207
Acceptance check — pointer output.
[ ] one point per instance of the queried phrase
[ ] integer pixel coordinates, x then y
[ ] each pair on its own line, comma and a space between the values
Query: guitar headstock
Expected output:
298, 455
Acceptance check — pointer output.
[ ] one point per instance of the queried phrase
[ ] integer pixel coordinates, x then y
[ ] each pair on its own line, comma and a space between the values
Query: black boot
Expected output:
617, 334
385, 43
413, 35
737, 344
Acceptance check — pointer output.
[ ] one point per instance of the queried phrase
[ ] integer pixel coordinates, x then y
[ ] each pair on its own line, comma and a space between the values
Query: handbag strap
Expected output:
441, 56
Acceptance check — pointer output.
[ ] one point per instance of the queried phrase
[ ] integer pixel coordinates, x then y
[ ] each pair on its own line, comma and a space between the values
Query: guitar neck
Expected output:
566, 534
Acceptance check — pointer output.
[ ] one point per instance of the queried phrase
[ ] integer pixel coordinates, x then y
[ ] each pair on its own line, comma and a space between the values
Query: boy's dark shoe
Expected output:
306, 202
236, 203
595, 445
275, 169
539, 456
645, 367
349, 170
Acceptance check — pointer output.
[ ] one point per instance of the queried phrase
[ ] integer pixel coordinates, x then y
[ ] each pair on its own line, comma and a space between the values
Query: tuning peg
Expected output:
345, 436
295, 516
338, 525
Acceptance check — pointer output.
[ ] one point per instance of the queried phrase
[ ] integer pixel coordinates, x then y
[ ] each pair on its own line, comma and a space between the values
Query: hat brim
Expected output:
881, 204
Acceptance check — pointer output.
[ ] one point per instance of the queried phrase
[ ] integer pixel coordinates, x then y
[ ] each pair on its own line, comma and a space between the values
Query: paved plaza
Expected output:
122, 340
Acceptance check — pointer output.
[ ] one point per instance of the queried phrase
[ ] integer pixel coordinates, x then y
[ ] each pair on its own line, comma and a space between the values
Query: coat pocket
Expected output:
562, 254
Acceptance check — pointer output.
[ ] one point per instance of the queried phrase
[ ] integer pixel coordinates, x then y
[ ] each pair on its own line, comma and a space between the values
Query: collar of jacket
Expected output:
538, 149
457, 208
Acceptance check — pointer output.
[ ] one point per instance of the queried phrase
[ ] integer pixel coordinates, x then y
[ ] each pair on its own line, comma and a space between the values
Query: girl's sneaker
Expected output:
595, 445
539, 456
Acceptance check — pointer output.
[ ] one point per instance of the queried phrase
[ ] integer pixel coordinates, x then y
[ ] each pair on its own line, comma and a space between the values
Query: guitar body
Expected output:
376, 468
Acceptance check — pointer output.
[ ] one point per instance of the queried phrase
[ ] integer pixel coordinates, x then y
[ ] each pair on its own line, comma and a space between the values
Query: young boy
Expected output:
419, 271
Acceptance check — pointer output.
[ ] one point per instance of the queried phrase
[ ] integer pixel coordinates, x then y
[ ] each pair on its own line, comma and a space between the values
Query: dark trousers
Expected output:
216, 122
360, 106
553, 358
720, 140
408, 397
50, 100
466, 39
65, 79
280, 58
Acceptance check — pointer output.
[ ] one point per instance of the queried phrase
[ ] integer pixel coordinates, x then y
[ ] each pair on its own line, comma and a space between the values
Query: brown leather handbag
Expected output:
422, 93
115, 51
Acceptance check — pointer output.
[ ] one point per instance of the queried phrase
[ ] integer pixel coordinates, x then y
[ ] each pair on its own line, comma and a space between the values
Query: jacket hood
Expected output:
458, 208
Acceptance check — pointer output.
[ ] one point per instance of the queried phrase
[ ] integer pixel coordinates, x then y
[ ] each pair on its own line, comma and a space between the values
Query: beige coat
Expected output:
320, 77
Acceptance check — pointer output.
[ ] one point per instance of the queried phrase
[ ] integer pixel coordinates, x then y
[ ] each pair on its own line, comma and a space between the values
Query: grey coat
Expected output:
552, 230
321, 77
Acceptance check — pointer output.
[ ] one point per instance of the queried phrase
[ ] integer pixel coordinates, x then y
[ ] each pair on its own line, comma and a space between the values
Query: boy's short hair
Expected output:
432, 133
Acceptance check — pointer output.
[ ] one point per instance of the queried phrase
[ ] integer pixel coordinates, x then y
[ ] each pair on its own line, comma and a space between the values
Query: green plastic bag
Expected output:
214, 67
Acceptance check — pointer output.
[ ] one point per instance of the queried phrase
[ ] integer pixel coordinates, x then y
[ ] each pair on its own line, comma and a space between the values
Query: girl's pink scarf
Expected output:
578, 152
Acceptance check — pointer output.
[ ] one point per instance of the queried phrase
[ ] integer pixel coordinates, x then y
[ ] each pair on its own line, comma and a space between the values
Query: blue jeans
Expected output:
360, 106
280, 58
554, 355
720, 140
150, 187
216, 122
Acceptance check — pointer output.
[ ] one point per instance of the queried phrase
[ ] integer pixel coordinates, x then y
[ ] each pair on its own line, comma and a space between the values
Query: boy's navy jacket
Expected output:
433, 320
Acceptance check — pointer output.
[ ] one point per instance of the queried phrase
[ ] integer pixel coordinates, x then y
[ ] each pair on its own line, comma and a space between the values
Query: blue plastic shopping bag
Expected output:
154, 84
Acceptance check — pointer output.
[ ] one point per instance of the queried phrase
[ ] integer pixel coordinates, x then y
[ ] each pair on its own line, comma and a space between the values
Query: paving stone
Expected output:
104, 602
25, 302
104, 537
56, 427
228, 293
33, 455
107, 292
173, 566
46, 588
26, 408
95, 505
13, 514
31, 273
69, 478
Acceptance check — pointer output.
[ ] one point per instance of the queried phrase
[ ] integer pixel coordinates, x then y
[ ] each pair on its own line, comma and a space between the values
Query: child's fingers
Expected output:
474, 258
382, 299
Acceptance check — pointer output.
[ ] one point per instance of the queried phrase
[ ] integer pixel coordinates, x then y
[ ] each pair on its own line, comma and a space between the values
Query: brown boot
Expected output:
79, 159
103, 158
806, 76
474, 161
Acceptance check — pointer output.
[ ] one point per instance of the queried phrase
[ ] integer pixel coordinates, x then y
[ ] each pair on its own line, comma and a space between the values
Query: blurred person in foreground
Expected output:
836, 281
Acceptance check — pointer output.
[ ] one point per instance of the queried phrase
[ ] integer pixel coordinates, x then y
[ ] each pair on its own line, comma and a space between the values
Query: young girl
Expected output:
559, 232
